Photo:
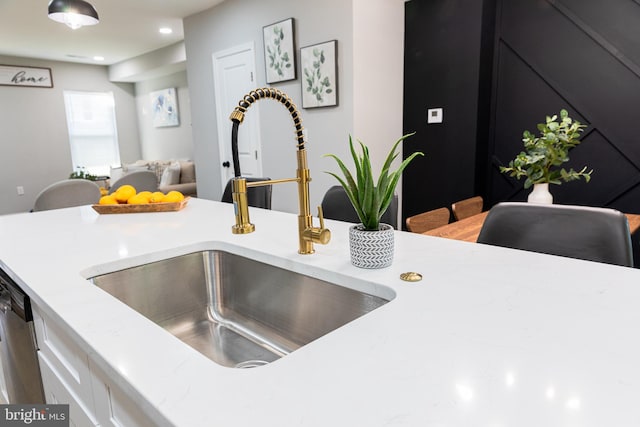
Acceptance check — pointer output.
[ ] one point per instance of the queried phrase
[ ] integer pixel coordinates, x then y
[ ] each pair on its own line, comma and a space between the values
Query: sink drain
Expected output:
250, 364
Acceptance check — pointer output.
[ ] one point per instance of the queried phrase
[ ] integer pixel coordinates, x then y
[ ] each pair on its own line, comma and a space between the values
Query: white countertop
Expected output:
490, 337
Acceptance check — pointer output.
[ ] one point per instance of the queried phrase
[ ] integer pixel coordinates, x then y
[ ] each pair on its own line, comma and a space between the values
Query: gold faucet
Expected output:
307, 233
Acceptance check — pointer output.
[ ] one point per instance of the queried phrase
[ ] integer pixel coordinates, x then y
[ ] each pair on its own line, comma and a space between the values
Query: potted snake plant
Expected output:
371, 242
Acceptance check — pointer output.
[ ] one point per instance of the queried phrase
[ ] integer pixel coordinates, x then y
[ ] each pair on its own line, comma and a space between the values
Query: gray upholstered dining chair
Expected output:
336, 205
142, 181
589, 233
258, 197
67, 193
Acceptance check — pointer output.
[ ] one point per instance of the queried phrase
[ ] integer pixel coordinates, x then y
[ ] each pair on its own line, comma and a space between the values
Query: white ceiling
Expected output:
127, 28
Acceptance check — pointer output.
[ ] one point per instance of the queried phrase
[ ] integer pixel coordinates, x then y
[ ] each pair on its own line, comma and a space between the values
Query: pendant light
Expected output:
74, 13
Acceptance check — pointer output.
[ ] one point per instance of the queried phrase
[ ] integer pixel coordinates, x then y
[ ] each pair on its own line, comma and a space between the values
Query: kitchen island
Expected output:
489, 337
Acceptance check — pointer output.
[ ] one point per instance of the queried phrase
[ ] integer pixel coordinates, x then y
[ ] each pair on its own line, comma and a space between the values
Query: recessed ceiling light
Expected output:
165, 30
98, 58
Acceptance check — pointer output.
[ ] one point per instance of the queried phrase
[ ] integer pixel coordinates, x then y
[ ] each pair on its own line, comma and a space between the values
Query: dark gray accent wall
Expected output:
583, 56
499, 67
442, 69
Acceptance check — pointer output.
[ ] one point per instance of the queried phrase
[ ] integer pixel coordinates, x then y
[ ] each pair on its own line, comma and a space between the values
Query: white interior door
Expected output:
233, 77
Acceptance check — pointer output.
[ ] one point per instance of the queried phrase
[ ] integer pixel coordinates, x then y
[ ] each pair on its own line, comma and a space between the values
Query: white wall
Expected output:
165, 143
240, 21
378, 59
157, 63
378, 63
34, 143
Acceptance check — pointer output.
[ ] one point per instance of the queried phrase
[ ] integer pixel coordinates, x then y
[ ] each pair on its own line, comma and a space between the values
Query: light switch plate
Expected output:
434, 115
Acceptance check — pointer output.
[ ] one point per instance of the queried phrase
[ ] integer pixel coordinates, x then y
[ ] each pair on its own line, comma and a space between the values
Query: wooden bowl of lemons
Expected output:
127, 199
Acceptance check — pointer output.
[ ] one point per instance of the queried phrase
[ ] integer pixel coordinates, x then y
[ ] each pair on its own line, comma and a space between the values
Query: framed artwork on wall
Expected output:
164, 108
319, 81
279, 51
26, 76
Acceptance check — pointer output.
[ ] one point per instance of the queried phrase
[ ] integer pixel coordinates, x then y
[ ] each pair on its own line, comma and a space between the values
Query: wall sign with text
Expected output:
22, 75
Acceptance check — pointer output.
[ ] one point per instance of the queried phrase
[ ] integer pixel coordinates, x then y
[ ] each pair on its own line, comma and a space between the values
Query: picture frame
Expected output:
319, 74
164, 108
25, 76
279, 51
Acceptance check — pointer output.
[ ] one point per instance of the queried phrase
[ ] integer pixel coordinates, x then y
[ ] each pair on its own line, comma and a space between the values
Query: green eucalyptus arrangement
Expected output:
371, 199
81, 173
542, 156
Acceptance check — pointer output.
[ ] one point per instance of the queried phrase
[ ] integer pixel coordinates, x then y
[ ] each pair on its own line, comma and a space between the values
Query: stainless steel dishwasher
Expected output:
18, 344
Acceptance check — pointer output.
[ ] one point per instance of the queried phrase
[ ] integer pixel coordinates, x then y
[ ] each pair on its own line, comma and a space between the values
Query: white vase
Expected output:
371, 249
540, 194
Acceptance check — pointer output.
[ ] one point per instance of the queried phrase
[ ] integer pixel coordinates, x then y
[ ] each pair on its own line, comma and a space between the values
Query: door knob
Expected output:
226, 164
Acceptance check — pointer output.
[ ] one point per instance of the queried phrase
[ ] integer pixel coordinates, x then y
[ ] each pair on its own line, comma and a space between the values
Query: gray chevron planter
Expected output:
371, 249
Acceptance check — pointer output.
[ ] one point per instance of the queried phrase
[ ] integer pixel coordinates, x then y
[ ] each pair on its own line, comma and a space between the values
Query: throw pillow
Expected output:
159, 167
187, 172
171, 175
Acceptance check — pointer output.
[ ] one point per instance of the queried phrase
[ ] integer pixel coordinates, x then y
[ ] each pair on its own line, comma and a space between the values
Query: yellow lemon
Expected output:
108, 200
157, 197
138, 199
123, 193
145, 195
174, 197
103, 191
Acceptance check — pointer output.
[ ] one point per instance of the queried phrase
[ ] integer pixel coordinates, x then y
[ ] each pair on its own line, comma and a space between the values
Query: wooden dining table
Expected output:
468, 229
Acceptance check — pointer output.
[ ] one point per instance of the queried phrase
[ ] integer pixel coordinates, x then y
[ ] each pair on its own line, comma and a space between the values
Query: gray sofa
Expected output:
179, 175
185, 181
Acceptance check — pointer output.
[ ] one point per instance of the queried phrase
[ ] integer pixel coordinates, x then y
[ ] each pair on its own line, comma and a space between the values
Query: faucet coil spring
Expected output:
237, 115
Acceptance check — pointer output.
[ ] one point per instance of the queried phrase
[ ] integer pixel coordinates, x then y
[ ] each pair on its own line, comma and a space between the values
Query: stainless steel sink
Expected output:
236, 311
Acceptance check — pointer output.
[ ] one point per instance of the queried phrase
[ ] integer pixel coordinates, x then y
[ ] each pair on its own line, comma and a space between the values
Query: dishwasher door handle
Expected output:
5, 308
5, 299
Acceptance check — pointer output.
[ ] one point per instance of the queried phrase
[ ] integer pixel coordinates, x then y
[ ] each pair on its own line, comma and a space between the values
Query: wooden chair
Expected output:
428, 220
593, 234
467, 207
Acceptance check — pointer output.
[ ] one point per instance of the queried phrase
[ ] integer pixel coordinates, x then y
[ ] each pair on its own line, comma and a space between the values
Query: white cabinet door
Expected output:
70, 376
69, 361
114, 408
65, 370
56, 391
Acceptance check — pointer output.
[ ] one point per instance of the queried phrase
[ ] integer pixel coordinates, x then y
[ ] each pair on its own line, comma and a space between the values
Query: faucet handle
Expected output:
321, 216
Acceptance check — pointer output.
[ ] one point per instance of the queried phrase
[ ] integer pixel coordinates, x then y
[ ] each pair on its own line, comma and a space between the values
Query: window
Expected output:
93, 135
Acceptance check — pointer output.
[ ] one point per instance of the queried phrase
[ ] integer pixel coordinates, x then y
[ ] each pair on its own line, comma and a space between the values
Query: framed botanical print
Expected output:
319, 81
279, 51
